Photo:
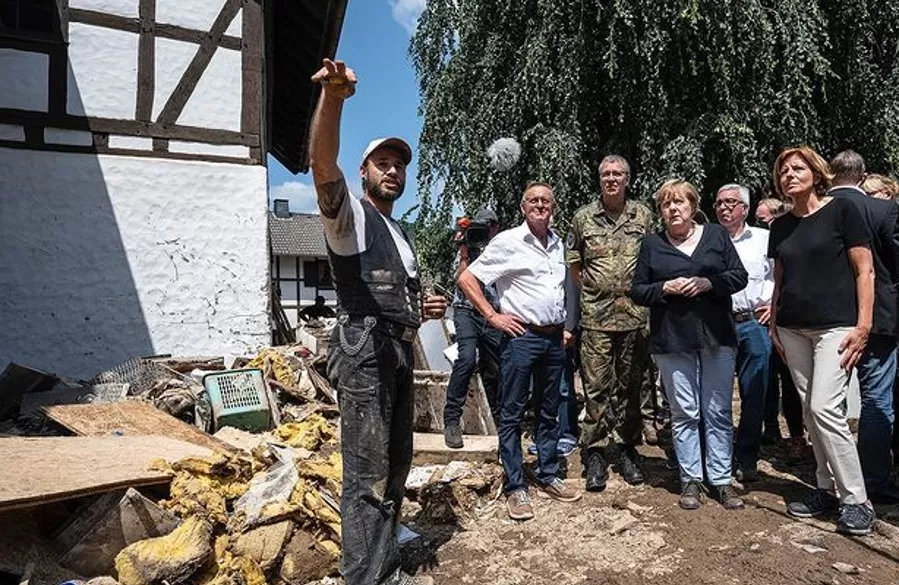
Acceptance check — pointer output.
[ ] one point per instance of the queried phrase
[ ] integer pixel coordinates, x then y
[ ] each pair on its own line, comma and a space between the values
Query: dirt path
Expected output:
633, 535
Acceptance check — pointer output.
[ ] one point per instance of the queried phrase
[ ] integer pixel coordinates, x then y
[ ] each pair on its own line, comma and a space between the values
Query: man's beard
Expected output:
378, 193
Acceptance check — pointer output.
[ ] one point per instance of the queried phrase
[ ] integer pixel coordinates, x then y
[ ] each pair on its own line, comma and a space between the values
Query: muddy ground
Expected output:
630, 535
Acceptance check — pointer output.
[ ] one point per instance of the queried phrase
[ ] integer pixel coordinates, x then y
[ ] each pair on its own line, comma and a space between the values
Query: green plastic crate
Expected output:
239, 399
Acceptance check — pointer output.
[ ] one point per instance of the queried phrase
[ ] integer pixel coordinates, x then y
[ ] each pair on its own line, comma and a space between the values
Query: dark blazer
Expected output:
882, 217
679, 324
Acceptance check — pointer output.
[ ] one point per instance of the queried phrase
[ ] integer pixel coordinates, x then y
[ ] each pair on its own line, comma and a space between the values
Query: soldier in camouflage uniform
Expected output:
603, 244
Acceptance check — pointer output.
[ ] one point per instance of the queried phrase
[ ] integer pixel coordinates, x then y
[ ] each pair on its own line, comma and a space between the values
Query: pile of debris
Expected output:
175, 470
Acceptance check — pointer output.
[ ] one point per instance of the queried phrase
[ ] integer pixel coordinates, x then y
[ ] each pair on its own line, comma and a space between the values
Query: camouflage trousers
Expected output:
613, 368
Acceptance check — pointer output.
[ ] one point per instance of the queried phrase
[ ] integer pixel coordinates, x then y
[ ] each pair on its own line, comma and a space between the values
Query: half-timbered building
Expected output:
134, 136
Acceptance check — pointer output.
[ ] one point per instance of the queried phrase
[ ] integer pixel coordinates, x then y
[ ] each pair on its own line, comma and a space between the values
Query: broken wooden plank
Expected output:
129, 418
91, 540
38, 470
430, 448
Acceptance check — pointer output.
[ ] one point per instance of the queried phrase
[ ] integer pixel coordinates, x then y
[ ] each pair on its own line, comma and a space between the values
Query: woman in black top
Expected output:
686, 274
820, 319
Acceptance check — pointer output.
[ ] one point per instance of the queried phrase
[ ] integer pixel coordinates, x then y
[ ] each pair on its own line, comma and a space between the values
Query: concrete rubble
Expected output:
264, 508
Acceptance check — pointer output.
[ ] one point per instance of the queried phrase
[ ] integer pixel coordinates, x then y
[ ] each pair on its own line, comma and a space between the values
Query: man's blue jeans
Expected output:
568, 407
753, 363
700, 390
526, 357
876, 375
478, 345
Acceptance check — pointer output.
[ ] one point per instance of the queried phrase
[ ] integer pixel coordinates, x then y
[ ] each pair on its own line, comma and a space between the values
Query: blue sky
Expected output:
375, 43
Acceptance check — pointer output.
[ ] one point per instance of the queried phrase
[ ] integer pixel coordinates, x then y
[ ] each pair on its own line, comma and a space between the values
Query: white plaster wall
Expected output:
172, 59
12, 132
110, 257
24, 79
216, 101
127, 8
102, 72
232, 150
235, 29
195, 14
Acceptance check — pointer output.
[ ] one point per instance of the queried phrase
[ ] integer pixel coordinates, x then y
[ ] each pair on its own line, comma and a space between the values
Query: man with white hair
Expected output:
751, 309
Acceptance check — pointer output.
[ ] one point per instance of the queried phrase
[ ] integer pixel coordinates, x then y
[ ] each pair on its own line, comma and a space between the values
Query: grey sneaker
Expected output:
728, 498
856, 519
557, 490
816, 503
452, 436
518, 504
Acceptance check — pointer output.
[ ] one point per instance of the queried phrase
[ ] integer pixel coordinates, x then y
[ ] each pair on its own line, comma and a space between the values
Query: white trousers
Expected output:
814, 364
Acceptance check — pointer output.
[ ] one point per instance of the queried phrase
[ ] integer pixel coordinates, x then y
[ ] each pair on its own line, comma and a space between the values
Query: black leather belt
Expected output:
397, 330
546, 330
743, 316
391, 328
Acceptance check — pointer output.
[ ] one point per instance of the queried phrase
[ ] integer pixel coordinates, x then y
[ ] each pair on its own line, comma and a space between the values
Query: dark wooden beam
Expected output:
58, 80
188, 82
146, 61
253, 50
166, 31
128, 127
160, 144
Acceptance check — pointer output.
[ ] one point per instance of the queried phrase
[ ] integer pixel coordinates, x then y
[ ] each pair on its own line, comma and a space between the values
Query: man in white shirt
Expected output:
381, 305
527, 266
751, 312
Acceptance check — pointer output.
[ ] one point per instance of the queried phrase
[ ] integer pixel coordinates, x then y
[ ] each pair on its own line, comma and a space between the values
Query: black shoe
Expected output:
691, 496
856, 519
595, 470
728, 498
452, 436
627, 465
816, 503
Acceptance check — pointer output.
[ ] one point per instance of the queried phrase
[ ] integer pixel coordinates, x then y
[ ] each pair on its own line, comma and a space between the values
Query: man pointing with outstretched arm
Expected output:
370, 357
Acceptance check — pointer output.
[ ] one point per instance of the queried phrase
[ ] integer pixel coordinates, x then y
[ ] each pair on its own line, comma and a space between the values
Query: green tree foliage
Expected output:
707, 90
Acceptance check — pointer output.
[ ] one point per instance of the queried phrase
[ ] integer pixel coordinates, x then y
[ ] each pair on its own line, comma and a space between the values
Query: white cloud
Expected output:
406, 12
301, 195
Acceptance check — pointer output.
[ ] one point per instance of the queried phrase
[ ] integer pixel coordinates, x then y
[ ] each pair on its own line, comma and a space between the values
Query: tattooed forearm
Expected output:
330, 197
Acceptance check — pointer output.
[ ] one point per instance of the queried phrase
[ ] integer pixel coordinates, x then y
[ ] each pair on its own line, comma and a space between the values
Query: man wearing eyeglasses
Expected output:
603, 245
751, 311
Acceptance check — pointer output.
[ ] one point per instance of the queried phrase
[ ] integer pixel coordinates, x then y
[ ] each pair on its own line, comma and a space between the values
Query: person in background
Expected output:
767, 210
370, 360
477, 341
751, 308
877, 367
781, 389
821, 318
318, 310
880, 187
603, 243
686, 275
527, 264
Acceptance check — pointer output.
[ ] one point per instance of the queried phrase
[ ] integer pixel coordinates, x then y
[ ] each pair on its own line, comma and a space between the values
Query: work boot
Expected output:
691, 495
856, 519
452, 436
594, 470
627, 465
816, 503
557, 490
728, 498
518, 504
